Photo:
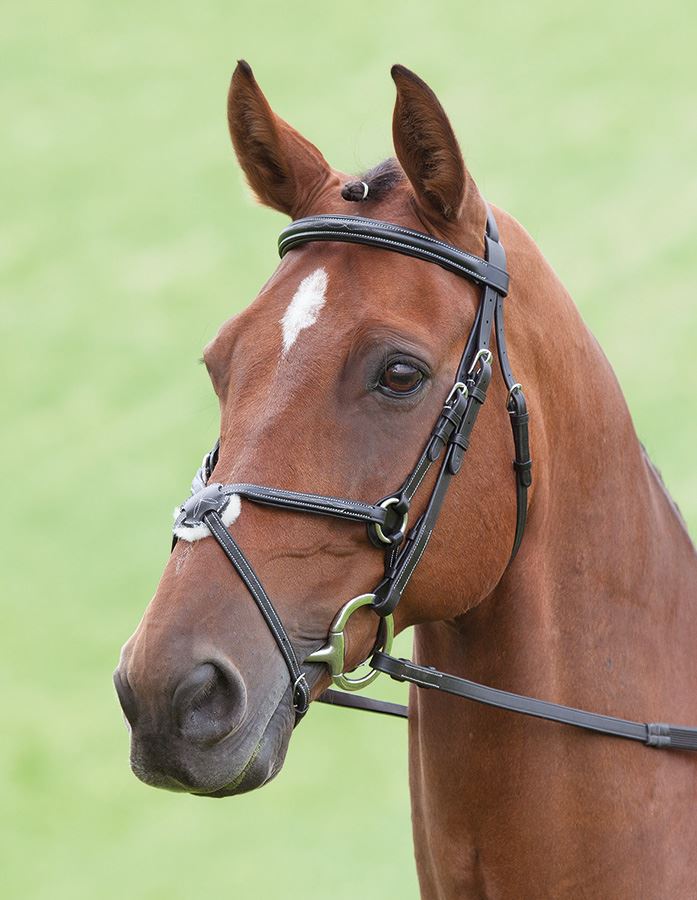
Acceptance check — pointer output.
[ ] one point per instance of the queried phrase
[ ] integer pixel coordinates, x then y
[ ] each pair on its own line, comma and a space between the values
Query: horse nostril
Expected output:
209, 703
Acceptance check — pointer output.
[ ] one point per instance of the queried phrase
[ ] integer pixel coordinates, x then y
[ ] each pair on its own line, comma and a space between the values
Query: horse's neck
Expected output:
597, 611
600, 600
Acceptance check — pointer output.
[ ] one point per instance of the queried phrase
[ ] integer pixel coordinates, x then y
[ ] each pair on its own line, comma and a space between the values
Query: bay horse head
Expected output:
329, 381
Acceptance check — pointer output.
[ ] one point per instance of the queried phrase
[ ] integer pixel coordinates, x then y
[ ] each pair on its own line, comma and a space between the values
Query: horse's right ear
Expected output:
283, 168
428, 151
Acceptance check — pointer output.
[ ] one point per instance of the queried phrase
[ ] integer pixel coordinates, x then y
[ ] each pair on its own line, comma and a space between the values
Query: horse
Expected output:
331, 379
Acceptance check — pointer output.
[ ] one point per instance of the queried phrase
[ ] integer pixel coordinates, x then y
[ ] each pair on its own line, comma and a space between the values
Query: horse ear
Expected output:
282, 167
428, 151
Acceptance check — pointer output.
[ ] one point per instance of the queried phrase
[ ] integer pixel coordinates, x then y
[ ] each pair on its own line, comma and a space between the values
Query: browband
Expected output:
373, 233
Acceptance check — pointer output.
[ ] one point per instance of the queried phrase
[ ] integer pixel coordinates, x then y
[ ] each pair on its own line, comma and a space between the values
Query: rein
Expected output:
387, 519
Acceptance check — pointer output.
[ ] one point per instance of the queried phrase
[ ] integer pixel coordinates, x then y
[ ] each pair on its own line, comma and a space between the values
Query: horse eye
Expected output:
401, 378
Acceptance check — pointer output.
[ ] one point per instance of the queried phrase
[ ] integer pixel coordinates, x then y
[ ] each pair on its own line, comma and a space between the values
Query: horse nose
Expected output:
209, 703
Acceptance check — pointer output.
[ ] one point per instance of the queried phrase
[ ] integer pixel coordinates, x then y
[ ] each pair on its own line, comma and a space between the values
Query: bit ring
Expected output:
333, 653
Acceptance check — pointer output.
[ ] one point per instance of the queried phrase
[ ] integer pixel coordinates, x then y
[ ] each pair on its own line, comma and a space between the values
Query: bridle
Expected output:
387, 519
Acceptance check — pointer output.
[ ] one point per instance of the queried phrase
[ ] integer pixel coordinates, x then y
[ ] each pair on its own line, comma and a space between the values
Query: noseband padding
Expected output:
189, 521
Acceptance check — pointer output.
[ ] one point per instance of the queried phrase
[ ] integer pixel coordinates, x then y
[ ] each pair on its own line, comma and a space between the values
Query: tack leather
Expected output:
376, 233
653, 734
446, 446
300, 688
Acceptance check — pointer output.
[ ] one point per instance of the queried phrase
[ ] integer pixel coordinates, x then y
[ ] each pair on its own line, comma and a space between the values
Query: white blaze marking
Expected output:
229, 515
304, 308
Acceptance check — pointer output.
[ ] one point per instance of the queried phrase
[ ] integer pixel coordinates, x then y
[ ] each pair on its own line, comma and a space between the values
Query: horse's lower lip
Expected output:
219, 794
259, 768
216, 795
237, 785
265, 760
215, 771
254, 773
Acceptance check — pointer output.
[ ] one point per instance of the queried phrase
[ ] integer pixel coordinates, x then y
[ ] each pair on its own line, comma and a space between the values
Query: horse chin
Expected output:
218, 771
266, 759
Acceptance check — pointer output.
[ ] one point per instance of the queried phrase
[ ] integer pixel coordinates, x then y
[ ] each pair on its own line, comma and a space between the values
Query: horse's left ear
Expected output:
430, 155
282, 167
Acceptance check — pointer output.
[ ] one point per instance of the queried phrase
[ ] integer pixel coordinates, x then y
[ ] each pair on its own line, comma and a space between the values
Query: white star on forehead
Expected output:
304, 308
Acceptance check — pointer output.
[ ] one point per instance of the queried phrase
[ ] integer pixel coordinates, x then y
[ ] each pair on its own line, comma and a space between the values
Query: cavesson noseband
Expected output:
387, 519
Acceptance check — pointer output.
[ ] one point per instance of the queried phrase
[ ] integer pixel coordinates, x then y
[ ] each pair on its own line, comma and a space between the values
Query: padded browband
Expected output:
374, 233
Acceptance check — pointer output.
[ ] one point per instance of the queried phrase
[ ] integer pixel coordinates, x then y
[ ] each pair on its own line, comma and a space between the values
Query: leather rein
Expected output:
387, 519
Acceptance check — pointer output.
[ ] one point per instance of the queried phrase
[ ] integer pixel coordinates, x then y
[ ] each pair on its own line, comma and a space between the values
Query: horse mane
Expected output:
657, 474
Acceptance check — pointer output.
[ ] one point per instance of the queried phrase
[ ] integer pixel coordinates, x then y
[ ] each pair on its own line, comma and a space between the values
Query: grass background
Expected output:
127, 237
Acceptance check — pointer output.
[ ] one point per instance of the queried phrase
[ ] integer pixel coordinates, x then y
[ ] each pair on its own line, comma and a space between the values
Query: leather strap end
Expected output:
524, 471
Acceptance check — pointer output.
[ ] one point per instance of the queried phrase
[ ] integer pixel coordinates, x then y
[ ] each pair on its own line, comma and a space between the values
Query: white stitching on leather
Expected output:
405, 576
428, 462
389, 226
337, 504
476, 276
268, 612
261, 489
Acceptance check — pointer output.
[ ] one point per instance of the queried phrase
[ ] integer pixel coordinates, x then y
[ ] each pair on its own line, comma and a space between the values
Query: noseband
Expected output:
387, 519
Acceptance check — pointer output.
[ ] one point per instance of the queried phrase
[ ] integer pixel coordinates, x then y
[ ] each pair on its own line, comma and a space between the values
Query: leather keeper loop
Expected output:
478, 394
450, 419
435, 448
457, 455
386, 598
524, 471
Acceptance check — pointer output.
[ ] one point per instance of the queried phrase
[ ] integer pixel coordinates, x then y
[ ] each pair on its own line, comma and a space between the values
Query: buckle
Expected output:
482, 354
301, 695
515, 387
459, 387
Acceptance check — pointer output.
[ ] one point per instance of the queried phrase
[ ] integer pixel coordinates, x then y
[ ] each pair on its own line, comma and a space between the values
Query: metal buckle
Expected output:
458, 386
515, 387
301, 677
391, 501
333, 653
483, 353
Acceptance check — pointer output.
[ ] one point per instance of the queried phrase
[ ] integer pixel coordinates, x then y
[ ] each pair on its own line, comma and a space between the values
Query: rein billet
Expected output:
387, 519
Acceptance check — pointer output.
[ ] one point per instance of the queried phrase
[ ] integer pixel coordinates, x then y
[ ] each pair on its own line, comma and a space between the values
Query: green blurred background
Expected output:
127, 237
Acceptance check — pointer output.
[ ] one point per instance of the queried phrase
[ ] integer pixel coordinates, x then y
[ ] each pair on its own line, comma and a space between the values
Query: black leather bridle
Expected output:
387, 519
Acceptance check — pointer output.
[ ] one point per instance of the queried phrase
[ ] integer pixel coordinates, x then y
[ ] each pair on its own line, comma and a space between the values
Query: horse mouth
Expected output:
226, 770
256, 772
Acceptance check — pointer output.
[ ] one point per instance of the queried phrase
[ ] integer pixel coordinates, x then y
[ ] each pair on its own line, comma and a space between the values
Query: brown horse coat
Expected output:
597, 610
